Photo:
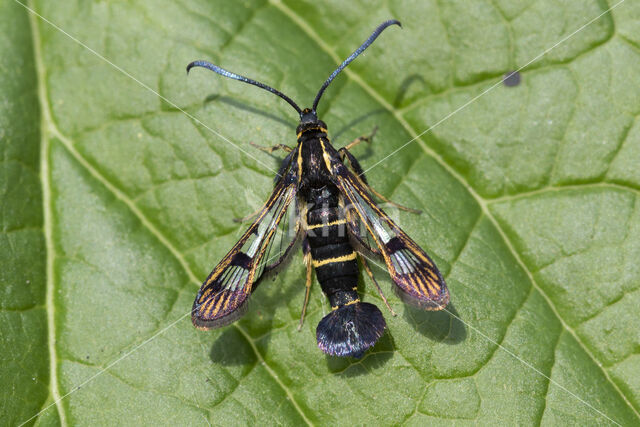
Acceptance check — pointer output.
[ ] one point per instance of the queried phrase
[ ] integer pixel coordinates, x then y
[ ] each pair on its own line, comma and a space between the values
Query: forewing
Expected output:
283, 243
224, 294
411, 269
360, 237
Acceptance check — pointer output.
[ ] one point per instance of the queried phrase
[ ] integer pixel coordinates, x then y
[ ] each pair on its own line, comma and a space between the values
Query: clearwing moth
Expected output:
336, 219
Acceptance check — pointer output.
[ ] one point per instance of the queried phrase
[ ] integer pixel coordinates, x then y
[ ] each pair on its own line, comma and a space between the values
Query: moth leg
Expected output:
307, 261
274, 148
353, 163
384, 199
248, 217
358, 140
284, 165
375, 282
355, 166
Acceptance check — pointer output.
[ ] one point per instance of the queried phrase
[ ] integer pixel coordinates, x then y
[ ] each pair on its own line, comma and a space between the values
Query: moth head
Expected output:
308, 117
309, 121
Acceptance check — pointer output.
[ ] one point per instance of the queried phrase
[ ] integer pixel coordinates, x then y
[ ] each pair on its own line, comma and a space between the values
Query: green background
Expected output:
115, 205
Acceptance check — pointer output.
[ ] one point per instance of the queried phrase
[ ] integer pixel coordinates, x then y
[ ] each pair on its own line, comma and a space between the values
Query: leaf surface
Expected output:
121, 177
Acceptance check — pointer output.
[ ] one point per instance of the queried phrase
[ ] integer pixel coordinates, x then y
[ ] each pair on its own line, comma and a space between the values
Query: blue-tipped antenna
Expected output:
223, 72
354, 55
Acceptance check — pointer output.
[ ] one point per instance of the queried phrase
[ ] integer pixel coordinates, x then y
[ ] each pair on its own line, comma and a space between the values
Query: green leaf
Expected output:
121, 177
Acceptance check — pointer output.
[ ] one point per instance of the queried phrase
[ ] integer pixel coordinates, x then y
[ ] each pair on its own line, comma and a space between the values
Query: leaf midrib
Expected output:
47, 218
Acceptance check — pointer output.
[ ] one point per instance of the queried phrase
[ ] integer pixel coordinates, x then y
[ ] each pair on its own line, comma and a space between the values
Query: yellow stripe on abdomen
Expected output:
343, 258
329, 224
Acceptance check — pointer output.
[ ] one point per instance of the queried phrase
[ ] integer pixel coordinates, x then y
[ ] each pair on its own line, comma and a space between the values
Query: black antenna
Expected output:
225, 73
353, 56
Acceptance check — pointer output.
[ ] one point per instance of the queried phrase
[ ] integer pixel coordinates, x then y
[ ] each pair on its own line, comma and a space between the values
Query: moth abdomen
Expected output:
352, 326
350, 330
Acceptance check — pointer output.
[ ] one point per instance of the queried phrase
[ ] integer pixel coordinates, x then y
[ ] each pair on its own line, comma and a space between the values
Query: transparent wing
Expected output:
411, 269
223, 295
360, 237
284, 241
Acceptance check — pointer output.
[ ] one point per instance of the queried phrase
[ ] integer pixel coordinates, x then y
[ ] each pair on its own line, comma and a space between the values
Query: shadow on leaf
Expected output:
404, 88
354, 124
374, 358
232, 349
258, 320
443, 326
242, 106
